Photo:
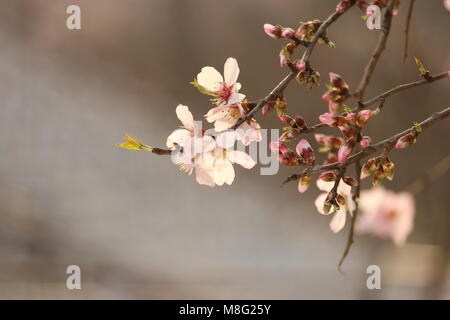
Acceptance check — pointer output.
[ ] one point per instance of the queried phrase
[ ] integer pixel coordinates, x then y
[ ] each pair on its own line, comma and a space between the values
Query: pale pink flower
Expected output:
225, 117
219, 162
447, 4
224, 89
386, 214
194, 145
338, 220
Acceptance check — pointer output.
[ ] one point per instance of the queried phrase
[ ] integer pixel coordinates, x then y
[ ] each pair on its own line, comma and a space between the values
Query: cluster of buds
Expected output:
380, 168
286, 53
409, 138
304, 154
338, 92
330, 176
294, 127
329, 144
350, 125
344, 5
277, 32
307, 76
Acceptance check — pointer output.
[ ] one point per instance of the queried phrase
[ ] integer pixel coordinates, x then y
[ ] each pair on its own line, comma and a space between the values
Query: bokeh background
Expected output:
138, 227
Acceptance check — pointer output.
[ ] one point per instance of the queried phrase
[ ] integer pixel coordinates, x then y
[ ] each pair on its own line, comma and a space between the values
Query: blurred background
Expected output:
140, 229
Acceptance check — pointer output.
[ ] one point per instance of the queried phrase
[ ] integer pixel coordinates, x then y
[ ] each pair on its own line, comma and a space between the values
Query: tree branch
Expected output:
284, 83
381, 45
408, 22
389, 142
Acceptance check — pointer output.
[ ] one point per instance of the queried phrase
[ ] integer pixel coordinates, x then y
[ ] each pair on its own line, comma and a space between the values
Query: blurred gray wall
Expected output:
138, 227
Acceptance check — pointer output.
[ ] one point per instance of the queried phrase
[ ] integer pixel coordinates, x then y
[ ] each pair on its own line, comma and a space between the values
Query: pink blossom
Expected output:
386, 214
345, 150
305, 151
224, 89
287, 32
344, 190
225, 117
447, 6
272, 31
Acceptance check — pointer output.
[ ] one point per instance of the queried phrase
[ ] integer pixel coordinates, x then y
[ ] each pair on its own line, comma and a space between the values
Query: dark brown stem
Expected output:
381, 45
408, 22
350, 238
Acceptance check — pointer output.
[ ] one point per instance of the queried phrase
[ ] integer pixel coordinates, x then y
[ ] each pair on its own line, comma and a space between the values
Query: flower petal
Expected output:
203, 175
178, 137
338, 221
226, 140
319, 202
210, 79
241, 158
223, 173
231, 71
324, 186
185, 117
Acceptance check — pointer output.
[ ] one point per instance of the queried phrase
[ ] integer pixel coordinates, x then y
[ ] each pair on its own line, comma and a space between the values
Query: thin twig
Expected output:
389, 142
350, 238
381, 45
278, 90
408, 22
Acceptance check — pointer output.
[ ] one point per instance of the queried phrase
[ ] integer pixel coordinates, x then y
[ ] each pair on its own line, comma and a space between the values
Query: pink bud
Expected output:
345, 150
365, 142
363, 117
328, 176
305, 151
299, 65
448, 74
283, 59
287, 32
304, 183
326, 96
405, 141
328, 119
336, 80
272, 31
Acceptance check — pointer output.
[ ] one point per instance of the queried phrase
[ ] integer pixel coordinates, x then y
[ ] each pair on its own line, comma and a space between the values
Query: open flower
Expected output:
386, 214
225, 117
223, 89
193, 146
344, 191
220, 161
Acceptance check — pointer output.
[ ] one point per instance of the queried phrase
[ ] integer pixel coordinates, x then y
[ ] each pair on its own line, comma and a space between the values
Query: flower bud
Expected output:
268, 107
334, 107
304, 183
363, 117
406, 141
328, 176
275, 146
348, 131
342, 6
336, 80
350, 181
368, 168
305, 151
332, 120
287, 32
300, 65
299, 122
272, 31
340, 199
378, 178
345, 150
289, 135
388, 169
365, 142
